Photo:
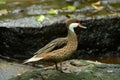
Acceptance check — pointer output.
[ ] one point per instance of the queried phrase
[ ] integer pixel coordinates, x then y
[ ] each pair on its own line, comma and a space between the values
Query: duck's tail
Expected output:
33, 59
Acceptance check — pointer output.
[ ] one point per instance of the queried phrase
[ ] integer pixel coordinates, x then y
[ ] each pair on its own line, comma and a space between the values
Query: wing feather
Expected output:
55, 44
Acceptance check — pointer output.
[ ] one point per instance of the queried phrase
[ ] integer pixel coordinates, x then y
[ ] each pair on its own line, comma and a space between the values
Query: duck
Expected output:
59, 49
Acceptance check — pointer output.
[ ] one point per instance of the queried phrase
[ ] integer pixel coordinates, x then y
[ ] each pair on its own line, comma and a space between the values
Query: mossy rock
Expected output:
91, 71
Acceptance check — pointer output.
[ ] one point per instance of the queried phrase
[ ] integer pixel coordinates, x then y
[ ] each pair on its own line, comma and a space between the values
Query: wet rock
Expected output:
35, 9
101, 39
17, 37
31, 22
75, 70
12, 69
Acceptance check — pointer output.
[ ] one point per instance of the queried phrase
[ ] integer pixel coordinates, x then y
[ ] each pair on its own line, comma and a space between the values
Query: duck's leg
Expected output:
61, 67
56, 67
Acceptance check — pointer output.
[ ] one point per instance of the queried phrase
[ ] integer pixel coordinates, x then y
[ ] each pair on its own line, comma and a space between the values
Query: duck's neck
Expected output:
72, 38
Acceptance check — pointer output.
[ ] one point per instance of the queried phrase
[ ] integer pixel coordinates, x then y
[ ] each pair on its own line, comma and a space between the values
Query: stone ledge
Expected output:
100, 39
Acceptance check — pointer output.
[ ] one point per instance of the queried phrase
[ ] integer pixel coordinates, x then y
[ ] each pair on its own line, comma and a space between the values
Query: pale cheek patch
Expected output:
72, 26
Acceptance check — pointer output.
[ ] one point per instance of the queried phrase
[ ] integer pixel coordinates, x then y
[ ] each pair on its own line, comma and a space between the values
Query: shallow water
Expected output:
26, 8
109, 60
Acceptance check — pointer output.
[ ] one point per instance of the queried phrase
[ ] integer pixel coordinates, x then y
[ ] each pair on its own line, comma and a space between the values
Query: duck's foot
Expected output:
60, 71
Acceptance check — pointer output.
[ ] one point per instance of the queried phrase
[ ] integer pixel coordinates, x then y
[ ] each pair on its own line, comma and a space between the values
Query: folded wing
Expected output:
55, 44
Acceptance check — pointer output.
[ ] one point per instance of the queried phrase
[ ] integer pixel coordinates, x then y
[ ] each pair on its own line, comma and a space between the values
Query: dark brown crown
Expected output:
73, 20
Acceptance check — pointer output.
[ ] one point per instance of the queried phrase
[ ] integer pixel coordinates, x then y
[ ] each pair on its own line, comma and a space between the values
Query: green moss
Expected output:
33, 75
91, 71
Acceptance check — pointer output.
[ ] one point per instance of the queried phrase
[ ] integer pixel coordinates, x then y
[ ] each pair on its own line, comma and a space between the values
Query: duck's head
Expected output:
73, 23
